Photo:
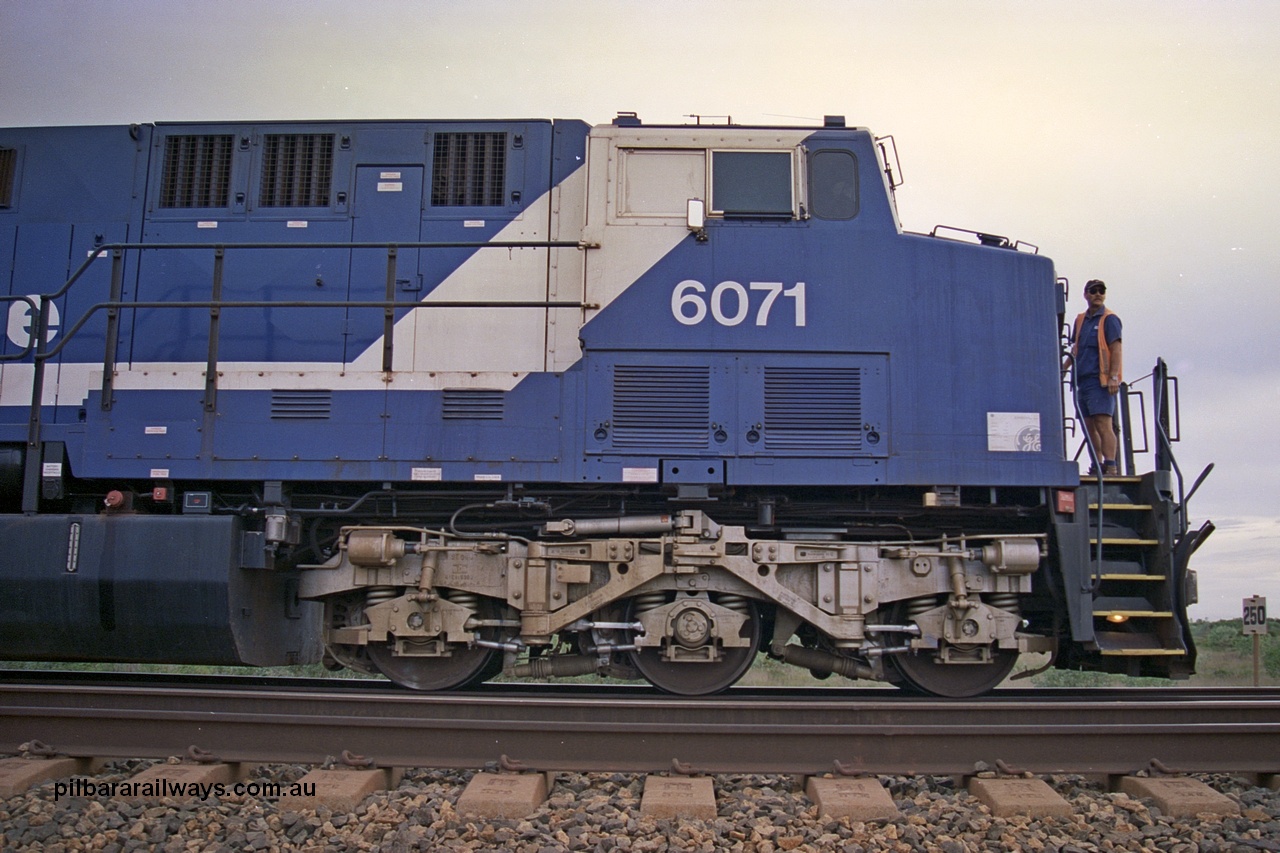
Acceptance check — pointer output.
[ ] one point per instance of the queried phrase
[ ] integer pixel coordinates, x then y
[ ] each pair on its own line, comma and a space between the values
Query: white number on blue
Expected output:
730, 303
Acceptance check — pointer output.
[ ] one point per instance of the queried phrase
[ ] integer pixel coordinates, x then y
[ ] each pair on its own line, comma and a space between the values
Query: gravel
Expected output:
601, 812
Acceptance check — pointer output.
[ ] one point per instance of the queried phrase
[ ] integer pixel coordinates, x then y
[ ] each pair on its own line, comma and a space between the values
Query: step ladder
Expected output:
1137, 621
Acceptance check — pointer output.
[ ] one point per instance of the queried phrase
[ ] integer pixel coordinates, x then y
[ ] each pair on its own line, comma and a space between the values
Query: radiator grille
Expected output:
196, 171
297, 170
299, 405
661, 407
469, 170
479, 404
813, 409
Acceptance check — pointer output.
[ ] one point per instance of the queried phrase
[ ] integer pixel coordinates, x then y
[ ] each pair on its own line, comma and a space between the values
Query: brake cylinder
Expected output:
374, 548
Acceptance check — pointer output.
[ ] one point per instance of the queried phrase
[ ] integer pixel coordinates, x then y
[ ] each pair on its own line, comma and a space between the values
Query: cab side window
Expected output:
833, 185
8, 168
751, 183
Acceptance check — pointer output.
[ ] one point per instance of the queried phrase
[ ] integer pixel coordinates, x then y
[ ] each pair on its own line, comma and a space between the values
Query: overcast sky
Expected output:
1137, 142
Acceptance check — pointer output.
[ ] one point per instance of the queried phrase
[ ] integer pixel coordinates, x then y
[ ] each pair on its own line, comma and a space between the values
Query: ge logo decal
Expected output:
21, 321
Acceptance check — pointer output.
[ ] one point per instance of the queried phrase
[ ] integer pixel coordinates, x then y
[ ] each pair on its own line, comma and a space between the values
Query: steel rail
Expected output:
888, 734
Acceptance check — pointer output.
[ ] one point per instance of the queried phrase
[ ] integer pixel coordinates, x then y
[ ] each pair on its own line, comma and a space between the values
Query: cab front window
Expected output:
833, 184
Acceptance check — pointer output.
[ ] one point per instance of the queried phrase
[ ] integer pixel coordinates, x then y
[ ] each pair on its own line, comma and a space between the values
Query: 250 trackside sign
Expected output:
730, 303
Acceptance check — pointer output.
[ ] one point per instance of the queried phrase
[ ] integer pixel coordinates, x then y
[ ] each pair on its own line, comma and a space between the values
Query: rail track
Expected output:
601, 728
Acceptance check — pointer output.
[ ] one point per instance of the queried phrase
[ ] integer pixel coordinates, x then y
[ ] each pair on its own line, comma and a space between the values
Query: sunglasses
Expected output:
1097, 288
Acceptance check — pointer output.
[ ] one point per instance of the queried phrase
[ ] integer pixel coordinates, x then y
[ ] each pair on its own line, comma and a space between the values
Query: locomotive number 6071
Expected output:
731, 303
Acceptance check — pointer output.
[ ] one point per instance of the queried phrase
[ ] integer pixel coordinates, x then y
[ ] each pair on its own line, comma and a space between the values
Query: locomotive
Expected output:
443, 399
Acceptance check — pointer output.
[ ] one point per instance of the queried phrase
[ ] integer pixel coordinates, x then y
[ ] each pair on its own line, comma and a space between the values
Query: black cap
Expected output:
1095, 282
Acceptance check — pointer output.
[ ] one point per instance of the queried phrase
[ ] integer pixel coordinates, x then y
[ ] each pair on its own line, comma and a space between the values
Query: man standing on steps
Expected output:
1097, 353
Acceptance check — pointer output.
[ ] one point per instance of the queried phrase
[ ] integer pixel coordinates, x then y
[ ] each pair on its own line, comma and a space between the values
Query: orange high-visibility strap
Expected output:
1104, 351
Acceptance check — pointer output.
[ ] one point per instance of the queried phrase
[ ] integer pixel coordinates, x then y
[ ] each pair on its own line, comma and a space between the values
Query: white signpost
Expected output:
1255, 624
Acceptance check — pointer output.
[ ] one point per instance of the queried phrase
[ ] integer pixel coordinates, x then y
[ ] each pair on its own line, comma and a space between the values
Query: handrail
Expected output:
1124, 421
99, 251
31, 340
33, 462
345, 303
41, 305
344, 244
1095, 583
1165, 459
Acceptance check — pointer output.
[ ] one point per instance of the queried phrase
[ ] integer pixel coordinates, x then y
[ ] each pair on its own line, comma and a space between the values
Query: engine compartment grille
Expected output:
813, 408
469, 170
665, 407
196, 171
297, 170
480, 404
299, 405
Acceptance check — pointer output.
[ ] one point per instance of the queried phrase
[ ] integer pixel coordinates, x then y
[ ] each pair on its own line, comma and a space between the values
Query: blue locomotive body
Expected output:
267, 345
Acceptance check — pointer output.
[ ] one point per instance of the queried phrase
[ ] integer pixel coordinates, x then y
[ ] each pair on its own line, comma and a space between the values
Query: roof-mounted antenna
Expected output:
797, 118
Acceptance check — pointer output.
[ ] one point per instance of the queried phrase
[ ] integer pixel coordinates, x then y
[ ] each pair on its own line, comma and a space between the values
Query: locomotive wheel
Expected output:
954, 681
701, 679
466, 666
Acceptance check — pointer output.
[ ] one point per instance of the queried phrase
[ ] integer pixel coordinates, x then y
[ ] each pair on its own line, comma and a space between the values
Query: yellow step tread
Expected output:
1124, 577
1122, 507
1135, 614
1107, 541
1144, 652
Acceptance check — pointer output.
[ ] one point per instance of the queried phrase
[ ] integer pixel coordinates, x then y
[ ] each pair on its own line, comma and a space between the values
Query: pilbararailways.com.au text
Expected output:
160, 788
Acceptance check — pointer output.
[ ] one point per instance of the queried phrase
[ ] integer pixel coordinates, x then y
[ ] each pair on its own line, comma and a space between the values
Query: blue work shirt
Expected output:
1087, 353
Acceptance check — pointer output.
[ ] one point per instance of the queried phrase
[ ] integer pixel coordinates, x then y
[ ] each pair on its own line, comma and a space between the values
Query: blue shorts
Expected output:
1094, 399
